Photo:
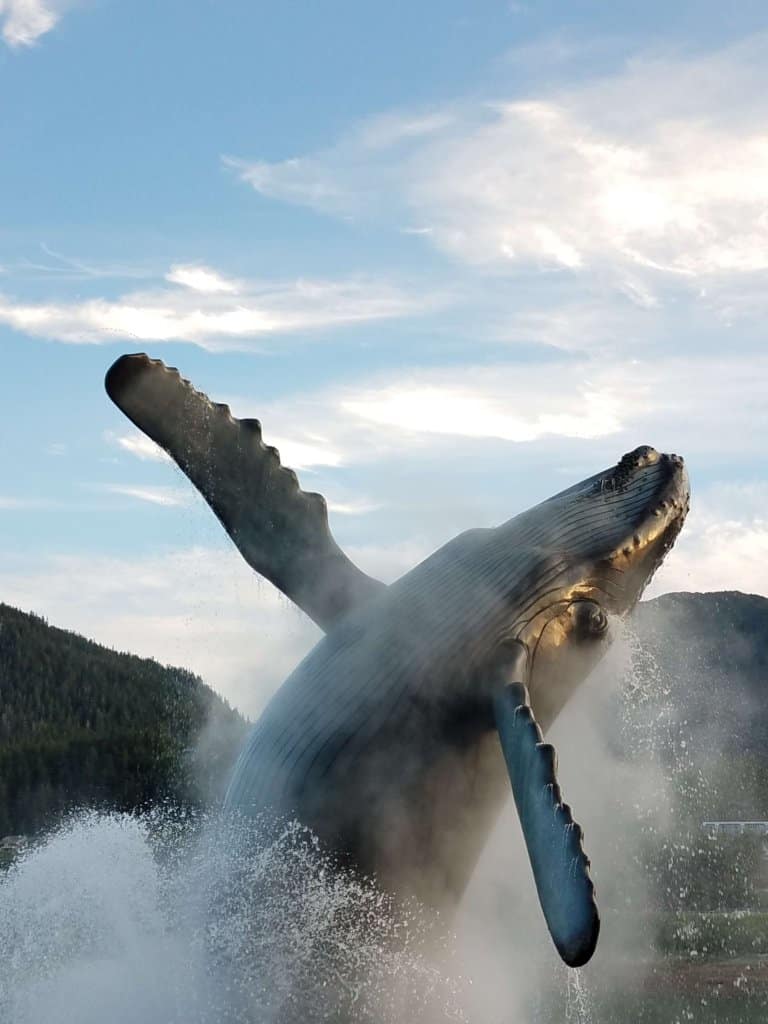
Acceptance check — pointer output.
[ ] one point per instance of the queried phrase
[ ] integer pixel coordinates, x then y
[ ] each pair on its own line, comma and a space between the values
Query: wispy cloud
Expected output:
201, 279
60, 267
25, 21
308, 453
479, 412
209, 310
138, 444
650, 169
18, 503
169, 497
359, 507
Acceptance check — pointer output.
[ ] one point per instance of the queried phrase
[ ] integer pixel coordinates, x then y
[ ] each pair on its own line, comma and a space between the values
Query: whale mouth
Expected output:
658, 502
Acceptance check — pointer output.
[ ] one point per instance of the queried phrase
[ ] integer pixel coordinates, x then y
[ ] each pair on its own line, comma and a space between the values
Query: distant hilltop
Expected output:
711, 654
82, 725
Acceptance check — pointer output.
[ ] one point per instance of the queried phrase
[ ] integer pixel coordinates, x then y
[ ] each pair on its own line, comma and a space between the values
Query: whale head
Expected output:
590, 550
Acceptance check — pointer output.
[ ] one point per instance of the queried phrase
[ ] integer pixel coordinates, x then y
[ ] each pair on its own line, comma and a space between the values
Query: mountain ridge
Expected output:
82, 724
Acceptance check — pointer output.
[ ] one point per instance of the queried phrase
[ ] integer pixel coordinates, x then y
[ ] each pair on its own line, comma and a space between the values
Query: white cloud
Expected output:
710, 406
664, 166
475, 413
138, 444
61, 267
206, 314
397, 414
358, 507
705, 407
307, 453
717, 554
200, 279
169, 497
588, 323
24, 21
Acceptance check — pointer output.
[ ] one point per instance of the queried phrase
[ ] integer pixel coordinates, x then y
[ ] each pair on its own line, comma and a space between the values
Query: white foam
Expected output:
131, 921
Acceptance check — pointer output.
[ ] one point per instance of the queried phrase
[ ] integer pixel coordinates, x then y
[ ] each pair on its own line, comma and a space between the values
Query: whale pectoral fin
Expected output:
560, 866
280, 530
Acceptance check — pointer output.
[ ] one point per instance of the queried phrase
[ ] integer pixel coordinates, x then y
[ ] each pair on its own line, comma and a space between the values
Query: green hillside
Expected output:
694, 713
84, 725
710, 653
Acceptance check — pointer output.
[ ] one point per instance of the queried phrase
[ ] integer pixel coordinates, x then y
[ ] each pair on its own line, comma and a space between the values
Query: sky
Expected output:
454, 256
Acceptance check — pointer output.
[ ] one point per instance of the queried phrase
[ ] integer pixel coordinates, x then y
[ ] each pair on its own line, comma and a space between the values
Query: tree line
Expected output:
82, 725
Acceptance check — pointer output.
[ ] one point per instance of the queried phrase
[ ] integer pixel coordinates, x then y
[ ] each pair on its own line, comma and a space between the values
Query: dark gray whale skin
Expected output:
382, 741
385, 739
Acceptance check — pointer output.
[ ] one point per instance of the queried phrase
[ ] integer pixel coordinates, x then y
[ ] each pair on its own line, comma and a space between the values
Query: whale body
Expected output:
397, 738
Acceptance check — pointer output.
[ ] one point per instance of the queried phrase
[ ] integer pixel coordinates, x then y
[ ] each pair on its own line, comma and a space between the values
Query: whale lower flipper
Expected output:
560, 866
281, 531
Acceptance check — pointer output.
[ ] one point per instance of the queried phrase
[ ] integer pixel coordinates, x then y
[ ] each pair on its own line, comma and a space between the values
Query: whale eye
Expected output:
589, 618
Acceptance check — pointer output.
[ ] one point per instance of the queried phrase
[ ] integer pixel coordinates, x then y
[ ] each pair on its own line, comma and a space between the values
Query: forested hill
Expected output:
710, 656
692, 711
81, 725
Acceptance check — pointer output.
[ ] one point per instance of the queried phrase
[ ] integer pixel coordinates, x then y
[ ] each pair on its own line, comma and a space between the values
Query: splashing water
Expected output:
578, 1005
128, 920
157, 920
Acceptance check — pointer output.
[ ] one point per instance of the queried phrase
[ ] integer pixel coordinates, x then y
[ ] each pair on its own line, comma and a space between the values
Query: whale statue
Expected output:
399, 736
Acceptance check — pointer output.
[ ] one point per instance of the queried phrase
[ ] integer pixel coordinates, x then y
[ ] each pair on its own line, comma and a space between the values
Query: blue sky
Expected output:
454, 256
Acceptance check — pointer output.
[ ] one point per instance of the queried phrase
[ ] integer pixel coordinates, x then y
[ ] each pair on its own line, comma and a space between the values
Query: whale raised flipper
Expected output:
560, 866
280, 530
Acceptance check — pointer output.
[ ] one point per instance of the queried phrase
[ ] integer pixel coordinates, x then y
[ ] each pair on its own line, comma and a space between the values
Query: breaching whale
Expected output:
397, 737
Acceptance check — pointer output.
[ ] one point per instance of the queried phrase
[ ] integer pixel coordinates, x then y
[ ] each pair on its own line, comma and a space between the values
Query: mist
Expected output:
629, 763
154, 920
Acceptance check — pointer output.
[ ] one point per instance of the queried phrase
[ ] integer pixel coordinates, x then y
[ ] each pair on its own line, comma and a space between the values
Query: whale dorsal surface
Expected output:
280, 530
